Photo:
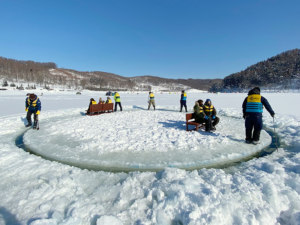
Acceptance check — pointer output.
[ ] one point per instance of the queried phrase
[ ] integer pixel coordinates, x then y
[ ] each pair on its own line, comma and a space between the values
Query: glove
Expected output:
273, 115
38, 112
206, 117
213, 117
26, 109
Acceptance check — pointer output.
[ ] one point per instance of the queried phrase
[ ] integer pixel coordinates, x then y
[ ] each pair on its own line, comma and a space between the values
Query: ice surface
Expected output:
140, 140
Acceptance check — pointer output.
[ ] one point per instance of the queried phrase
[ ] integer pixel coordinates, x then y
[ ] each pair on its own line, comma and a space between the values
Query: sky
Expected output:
167, 38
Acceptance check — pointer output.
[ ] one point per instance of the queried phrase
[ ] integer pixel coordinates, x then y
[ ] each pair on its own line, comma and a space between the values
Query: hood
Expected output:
253, 91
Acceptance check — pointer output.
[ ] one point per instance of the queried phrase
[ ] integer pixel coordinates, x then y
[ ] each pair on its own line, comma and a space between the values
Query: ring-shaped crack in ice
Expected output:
141, 141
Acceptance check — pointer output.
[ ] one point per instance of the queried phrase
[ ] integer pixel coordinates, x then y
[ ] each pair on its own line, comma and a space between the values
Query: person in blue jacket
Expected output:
252, 113
32, 106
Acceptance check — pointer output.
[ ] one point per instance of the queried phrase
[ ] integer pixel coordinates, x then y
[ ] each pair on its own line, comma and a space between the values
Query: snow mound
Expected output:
140, 140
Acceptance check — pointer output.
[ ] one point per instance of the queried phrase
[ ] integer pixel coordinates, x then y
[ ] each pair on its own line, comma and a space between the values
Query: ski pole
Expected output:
275, 134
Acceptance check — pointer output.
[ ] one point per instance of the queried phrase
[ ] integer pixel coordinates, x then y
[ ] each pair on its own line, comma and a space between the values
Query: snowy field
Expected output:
36, 190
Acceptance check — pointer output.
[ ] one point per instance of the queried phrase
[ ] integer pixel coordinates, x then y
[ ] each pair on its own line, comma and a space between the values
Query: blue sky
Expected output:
166, 38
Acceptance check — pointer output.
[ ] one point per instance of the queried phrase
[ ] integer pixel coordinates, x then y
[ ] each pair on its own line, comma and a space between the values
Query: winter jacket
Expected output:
253, 104
209, 110
33, 105
151, 96
183, 97
117, 97
198, 113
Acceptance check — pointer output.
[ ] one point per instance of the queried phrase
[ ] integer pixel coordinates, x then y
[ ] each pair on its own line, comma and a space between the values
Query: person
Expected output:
101, 101
252, 113
183, 100
211, 120
151, 100
92, 102
198, 112
117, 101
108, 100
32, 106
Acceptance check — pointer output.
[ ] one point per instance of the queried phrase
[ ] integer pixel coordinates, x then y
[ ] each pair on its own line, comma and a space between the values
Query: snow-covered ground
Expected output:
35, 190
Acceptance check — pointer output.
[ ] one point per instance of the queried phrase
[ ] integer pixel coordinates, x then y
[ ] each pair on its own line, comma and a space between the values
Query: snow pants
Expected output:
253, 123
151, 102
118, 103
183, 103
28, 117
211, 123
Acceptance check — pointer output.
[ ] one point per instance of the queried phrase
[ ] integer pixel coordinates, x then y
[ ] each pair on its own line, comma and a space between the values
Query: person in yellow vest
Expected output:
211, 120
92, 102
151, 100
32, 106
198, 114
183, 100
252, 113
117, 101
108, 100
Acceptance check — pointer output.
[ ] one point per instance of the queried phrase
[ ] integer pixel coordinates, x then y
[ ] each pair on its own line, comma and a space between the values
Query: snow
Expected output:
35, 190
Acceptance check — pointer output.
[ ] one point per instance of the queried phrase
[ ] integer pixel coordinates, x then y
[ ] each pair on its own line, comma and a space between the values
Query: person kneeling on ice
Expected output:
211, 120
32, 106
252, 113
198, 114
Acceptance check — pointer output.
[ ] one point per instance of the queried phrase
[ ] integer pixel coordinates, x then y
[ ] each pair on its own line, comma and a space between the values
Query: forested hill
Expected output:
279, 72
16, 72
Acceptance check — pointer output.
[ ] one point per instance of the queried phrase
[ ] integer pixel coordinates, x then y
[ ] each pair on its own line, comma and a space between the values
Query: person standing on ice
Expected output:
151, 100
183, 100
32, 106
211, 120
252, 113
117, 101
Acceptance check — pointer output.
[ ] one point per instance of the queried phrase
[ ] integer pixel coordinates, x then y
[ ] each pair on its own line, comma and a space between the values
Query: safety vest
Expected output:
198, 109
208, 109
151, 96
94, 102
109, 101
32, 103
254, 104
201, 109
184, 97
117, 97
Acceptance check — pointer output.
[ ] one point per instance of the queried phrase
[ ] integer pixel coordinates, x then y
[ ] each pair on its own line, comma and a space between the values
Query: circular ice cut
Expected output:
140, 140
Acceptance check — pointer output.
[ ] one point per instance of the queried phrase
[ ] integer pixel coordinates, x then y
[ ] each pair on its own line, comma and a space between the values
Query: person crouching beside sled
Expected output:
252, 113
211, 120
32, 106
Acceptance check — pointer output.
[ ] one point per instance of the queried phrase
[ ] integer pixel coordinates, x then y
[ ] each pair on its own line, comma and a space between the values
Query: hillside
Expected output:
279, 72
15, 72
